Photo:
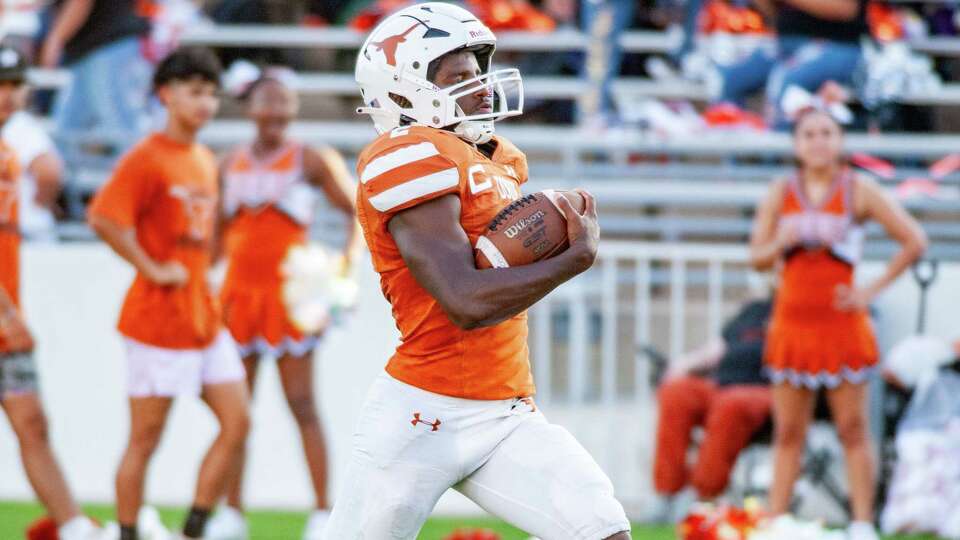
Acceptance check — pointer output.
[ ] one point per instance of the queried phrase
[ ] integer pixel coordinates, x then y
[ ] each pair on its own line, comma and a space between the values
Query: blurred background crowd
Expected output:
667, 67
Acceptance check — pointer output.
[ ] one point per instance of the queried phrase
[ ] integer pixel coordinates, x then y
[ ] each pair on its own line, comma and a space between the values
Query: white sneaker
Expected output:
79, 528
227, 524
862, 530
316, 525
149, 526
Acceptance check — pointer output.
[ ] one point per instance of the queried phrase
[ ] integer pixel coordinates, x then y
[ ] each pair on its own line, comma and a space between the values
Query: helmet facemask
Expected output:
506, 88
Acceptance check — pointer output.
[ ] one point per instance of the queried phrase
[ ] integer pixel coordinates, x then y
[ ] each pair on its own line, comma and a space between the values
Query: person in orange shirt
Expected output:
18, 372
158, 211
454, 408
820, 337
271, 190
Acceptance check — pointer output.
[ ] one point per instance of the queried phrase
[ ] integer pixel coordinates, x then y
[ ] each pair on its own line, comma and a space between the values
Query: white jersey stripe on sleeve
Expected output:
416, 188
398, 158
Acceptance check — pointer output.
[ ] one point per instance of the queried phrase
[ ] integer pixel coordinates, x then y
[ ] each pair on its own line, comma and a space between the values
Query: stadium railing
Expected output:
572, 143
342, 38
543, 87
629, 278
560, 40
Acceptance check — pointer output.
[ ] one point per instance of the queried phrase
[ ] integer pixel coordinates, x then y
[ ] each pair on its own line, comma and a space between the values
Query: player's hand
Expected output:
14, 332
170, 273
583, 230
852, 298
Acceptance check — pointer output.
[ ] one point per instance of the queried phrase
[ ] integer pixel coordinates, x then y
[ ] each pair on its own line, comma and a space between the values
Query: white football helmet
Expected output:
394, 60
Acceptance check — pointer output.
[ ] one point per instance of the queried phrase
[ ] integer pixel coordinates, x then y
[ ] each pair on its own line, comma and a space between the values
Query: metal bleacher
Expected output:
701, 187
543, 87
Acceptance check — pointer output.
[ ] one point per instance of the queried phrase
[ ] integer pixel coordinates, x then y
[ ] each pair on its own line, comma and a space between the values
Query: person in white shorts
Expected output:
157, 211
454, 408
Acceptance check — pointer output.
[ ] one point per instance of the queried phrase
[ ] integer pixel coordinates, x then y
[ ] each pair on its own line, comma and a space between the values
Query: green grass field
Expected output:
264, 525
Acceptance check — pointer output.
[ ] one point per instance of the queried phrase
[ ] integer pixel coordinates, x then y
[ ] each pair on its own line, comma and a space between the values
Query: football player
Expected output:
453, 408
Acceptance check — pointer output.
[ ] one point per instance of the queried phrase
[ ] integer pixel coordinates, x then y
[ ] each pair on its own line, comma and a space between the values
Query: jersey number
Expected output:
480, 181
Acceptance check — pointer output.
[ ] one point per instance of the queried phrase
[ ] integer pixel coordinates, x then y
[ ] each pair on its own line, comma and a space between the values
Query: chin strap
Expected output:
475, 131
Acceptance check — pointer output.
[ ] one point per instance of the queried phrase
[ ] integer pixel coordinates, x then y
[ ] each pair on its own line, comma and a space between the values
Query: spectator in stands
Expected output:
810, 225
603, 21
817, 41
99, 41
720, 386
41, 173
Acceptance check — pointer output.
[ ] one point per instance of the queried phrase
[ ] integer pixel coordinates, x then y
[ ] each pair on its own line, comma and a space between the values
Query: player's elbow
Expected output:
464, 311
464, 316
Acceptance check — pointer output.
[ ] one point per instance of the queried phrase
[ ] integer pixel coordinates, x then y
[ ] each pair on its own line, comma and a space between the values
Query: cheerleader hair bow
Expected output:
243, 75
797, 101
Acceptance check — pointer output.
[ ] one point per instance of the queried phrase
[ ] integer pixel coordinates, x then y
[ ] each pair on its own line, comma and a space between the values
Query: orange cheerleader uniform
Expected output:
269, 206
810, 342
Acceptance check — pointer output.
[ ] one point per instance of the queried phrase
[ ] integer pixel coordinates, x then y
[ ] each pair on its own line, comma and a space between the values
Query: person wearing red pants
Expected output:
722, 388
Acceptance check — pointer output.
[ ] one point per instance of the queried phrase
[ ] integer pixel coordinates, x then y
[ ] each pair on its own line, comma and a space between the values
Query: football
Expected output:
528, 230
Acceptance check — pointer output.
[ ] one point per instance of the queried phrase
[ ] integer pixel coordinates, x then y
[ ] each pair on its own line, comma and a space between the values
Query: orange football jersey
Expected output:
168, 192
9, 228
404, 168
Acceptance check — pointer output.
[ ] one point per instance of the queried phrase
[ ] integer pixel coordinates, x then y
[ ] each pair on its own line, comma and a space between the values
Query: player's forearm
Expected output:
500, 294
123, 241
